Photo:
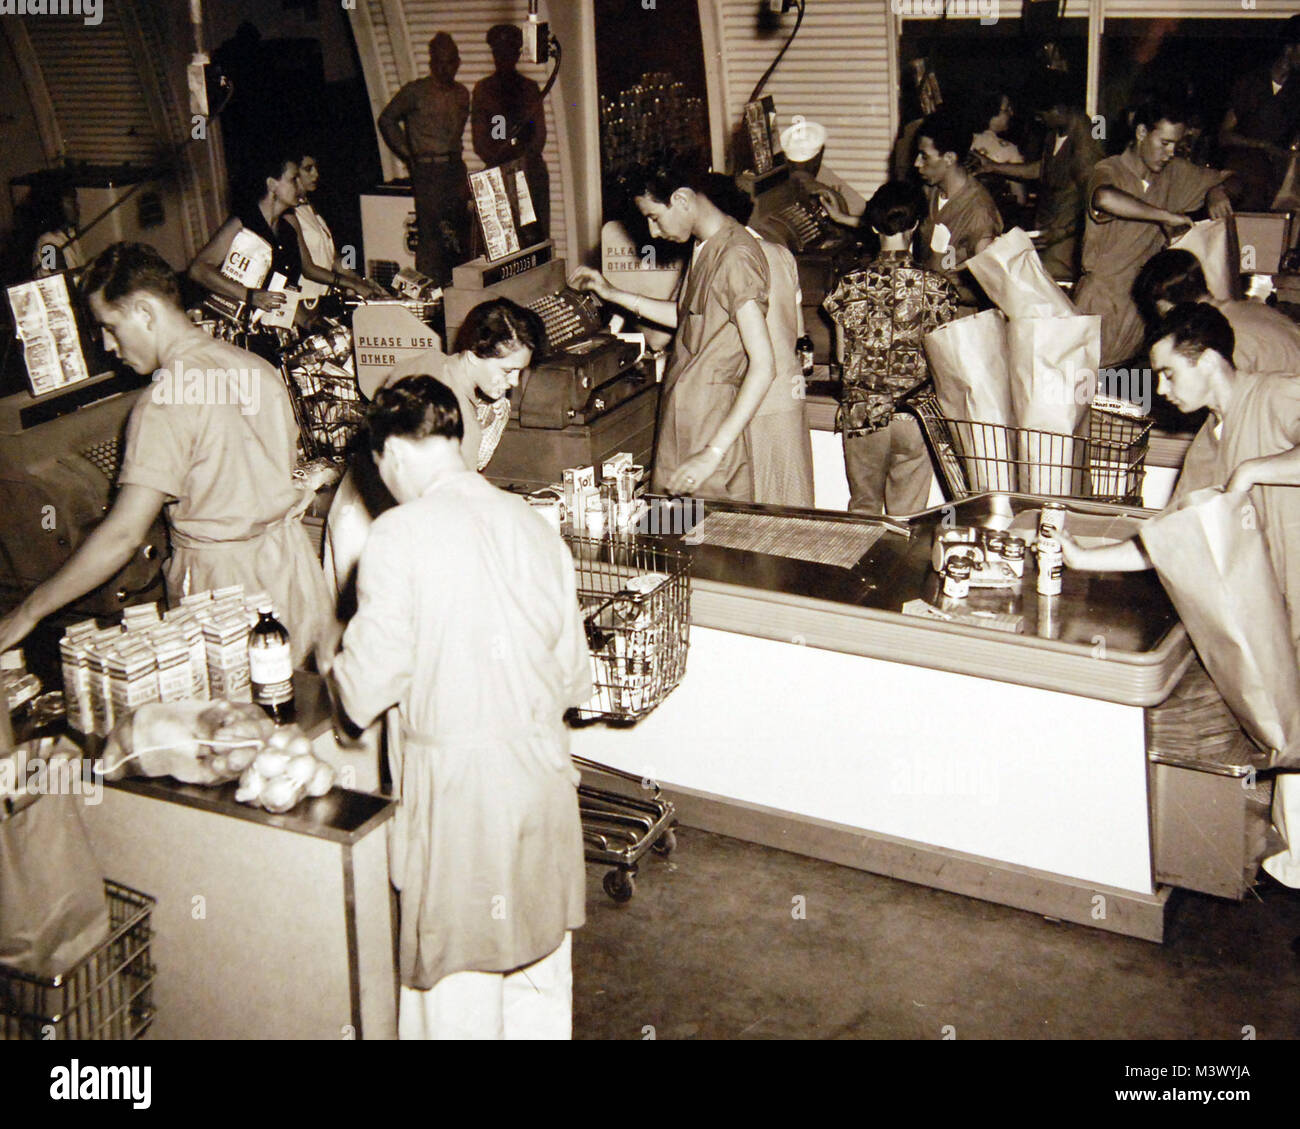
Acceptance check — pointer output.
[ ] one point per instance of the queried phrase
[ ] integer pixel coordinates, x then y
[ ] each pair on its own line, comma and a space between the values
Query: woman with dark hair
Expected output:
996, 112
494, 346
255, 243
322, 266
722, 354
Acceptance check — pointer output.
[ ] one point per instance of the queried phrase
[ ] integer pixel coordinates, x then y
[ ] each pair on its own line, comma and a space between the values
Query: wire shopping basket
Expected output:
329, 406
108, 994
635, 597
1106, 463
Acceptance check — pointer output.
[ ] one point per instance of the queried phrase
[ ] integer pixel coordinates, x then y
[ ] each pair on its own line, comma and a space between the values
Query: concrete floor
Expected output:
708, 949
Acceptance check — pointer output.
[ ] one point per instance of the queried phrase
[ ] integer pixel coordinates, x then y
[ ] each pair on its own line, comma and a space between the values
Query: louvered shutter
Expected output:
837, 72
95, 90
1198, 9
467, 22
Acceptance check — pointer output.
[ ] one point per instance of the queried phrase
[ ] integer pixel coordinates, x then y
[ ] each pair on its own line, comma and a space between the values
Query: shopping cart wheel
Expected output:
665, 844
619, 885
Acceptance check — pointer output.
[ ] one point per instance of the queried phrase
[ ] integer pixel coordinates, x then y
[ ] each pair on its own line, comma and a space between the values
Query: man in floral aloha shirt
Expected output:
882, 311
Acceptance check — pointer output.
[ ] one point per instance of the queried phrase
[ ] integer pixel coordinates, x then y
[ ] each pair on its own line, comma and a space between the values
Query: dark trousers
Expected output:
442, 213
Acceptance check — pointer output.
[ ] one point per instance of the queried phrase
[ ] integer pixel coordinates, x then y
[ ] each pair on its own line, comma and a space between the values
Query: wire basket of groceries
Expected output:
323, 387
1106, 461
108, 994
635, 597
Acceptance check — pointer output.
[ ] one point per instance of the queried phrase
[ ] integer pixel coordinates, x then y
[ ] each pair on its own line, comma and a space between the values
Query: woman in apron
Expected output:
242, 260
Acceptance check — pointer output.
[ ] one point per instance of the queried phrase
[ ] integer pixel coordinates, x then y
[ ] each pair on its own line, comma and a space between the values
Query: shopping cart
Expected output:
1106, 462
323, 388
635, 596
108, 994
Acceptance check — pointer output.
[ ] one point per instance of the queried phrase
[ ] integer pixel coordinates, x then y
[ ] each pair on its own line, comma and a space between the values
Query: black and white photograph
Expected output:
726, 521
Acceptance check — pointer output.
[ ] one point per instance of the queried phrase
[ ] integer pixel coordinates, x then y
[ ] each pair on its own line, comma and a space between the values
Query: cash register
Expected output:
787, 212
60, 450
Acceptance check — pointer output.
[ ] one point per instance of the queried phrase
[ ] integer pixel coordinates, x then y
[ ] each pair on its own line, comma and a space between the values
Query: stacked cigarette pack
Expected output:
194, 652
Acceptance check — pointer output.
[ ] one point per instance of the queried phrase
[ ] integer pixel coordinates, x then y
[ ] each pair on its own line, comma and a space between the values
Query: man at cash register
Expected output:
212, 442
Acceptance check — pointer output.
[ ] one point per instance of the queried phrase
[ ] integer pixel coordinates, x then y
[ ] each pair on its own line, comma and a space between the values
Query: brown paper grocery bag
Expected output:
968, 359
53, 908
1014, 277
1053, 364
1211, 554
1208, 241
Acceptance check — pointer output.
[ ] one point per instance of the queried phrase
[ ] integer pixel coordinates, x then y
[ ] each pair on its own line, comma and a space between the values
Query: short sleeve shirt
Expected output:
1266, 339
729, 270
216, 433
435, 116
1117, 247
885, 309
970, 215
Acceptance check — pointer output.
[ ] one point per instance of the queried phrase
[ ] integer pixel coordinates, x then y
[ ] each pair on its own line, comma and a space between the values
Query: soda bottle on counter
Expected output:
270, 666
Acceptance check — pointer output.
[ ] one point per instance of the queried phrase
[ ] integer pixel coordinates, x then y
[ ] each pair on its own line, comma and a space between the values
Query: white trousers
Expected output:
1285, 867
533, 1002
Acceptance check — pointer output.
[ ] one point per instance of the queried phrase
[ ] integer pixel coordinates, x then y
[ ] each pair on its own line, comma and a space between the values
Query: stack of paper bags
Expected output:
1052, 354
968, 358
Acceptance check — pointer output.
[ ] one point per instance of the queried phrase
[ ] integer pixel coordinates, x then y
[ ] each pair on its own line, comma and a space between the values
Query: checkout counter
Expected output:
266, 926
1009, 762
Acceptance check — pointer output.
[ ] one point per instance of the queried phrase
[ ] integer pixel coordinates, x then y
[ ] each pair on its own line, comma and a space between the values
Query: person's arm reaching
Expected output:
752, 324
1027, 170
108, 548
1121, 556
374, 668
1217, 203
1118, 203
661, 311
1282, 469
205, 271
328, 275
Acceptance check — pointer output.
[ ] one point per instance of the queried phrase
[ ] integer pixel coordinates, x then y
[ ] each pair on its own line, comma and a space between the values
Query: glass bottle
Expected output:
270, 666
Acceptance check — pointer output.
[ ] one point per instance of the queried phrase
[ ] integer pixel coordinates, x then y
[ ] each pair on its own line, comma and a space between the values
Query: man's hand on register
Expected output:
590, 279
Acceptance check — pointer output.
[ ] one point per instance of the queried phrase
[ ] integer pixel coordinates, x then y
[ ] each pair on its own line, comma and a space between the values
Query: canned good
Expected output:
995, 544
1013, 555
956, 577
1051, 566
1049, 617
1051, 519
